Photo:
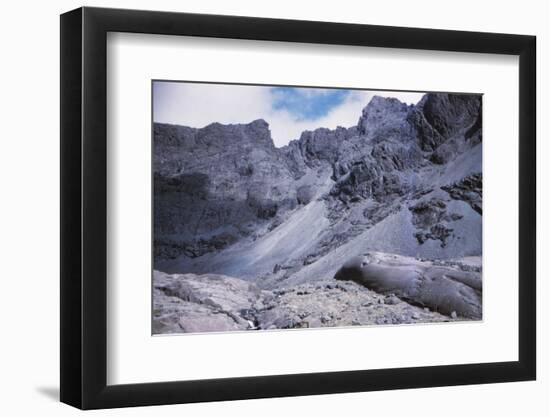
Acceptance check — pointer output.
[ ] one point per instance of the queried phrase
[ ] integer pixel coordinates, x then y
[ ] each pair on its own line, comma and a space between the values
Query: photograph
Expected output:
289, 207
262, 209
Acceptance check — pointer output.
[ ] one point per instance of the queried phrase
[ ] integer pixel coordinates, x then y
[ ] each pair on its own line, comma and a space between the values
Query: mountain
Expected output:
406, 179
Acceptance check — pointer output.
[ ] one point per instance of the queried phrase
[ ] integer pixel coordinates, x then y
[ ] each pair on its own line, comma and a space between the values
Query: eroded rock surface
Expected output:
189, 303
333, 304
469, 190
433, 221
446, 288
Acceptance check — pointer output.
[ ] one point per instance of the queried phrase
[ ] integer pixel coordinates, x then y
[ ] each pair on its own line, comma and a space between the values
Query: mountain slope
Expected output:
405, 180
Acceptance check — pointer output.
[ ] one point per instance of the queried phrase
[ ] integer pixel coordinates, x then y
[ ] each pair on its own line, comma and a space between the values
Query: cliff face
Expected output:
216, 185
406, 180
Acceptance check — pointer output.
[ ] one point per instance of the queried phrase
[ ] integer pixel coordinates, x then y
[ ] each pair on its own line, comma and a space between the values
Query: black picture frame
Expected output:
84, 207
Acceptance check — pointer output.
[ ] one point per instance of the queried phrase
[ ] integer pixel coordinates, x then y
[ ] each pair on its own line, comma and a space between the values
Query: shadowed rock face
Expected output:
469, 190
440, 117
444, 288
216, 185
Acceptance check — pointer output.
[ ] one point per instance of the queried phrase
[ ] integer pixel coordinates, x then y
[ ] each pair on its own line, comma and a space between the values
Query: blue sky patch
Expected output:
307, 103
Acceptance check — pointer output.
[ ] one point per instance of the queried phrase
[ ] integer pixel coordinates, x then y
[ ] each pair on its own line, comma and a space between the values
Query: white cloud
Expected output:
198, 105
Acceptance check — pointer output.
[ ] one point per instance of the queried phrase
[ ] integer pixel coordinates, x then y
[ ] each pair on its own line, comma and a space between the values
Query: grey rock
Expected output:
326, 306
441, 288
440, 117
305, 194
433, 221
189, 303
469, 190
392, 300
216, 185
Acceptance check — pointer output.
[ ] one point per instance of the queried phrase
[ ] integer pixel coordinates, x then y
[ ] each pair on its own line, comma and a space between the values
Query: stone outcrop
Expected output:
469, 190
433, 221
202, 303
447, 289
189, 303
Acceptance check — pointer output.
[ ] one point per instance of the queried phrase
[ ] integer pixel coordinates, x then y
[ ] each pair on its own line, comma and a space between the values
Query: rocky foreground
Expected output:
376, 289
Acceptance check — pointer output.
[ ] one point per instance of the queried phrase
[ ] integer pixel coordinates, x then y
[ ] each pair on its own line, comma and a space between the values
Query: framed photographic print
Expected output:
258, 207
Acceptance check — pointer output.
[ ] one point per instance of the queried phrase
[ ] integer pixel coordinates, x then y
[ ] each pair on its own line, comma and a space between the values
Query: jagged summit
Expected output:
255, 131
379, 104
384, 117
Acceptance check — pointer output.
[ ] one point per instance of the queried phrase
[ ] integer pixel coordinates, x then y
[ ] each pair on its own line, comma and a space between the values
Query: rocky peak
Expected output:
256, 133
439, 117
321, 144
448, 113
174, 135
258, 130
381, 112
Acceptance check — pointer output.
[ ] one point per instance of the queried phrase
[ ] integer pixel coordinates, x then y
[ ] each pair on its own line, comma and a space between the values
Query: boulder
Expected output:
201, 303
441, 288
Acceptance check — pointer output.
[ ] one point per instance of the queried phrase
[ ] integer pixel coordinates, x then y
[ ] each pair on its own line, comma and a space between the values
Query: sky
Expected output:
288, 110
